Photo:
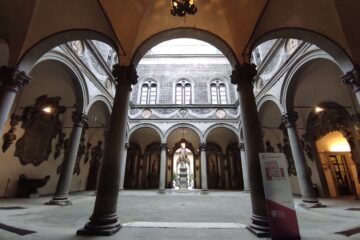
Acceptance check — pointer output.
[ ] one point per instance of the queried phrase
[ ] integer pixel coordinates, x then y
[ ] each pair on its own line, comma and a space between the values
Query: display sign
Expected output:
279, 200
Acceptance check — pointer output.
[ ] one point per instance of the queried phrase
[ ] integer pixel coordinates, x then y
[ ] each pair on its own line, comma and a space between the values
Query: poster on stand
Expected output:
279, 200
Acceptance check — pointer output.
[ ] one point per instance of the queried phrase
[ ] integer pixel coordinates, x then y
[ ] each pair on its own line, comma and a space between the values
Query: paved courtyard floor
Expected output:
174, 215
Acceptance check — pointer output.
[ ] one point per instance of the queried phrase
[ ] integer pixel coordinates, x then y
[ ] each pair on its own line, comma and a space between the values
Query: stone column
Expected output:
244, 167
307, 191
61, 196
162, 168
104, 220
123, 166
204, 185
11, 82
243, 76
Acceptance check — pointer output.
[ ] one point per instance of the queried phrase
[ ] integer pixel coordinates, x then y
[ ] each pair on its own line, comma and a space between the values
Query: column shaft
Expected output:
61, 196
245, 171
162, 168
204, 184
243, 76
123, 166
306, 188
104, 220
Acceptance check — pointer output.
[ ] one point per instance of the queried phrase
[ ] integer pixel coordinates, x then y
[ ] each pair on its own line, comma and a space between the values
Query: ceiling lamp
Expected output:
182, 7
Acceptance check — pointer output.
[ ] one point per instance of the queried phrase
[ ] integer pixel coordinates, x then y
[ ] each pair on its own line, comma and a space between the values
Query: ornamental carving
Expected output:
333, 118
41, 127
13, 79
10, 136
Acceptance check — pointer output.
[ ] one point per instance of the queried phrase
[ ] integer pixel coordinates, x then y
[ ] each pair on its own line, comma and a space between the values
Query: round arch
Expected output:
102, 99
185, 32
4, 52
81, 90
145, 125
184, 125
264, 100
288, 87
29, 58
221, 125
328, 45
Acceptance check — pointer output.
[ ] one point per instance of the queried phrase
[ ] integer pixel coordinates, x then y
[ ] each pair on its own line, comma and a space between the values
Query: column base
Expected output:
104, 226
259, 226
162, 191
311, 204
204, 191
63, 201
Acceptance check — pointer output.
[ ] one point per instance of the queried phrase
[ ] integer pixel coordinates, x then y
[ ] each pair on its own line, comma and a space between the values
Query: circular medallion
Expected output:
291, 45
220, 113
78, 47
146, 113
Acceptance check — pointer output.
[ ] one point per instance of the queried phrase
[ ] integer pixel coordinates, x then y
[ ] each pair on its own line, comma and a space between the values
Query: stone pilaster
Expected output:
243, 76
104, 220
61, 196
307, 191
11, 82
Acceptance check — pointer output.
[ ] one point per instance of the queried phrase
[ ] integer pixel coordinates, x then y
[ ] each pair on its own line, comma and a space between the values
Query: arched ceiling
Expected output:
129, 23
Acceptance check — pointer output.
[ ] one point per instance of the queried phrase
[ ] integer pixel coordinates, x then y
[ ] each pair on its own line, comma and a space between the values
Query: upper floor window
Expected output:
183, 92
148, 93
218, 92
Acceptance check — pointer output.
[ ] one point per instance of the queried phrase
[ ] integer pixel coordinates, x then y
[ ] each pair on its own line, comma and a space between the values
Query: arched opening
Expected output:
142, 170
314, 83
183, 162
37, 132
223, 160
98, 122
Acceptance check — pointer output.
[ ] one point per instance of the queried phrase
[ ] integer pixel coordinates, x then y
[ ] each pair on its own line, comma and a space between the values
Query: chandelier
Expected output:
182, 7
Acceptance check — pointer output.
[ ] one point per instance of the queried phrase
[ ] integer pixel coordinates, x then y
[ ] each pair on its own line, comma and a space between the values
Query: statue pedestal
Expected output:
183, 178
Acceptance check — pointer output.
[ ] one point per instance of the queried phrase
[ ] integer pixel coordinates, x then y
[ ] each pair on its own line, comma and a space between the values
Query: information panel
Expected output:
279, 200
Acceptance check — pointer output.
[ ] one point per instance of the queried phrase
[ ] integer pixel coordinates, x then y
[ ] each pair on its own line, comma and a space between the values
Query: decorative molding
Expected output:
352, 78
13, 79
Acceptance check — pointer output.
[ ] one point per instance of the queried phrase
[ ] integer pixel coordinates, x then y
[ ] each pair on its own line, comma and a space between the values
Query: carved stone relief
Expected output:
41, 127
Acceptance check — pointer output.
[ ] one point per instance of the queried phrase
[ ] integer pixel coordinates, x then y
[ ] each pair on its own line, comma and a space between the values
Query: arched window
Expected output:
183, 92
148, 93
218, 92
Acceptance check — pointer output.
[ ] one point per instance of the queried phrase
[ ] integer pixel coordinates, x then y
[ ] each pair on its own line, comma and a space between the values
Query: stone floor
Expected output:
174, 215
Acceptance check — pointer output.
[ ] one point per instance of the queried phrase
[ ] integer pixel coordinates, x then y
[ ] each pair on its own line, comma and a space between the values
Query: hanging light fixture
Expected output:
182, 7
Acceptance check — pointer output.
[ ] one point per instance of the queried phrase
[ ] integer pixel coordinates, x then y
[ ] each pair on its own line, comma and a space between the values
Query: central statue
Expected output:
183, 174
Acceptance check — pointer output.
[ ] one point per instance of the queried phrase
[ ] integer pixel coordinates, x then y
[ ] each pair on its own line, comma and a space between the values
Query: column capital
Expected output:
242, 147
13, 79
243, 72
125, 74
202, 146
79, 119
163, 146
352, 78
289, 119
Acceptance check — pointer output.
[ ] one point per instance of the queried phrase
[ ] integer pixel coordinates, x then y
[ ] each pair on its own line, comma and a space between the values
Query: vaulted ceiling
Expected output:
128, 23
